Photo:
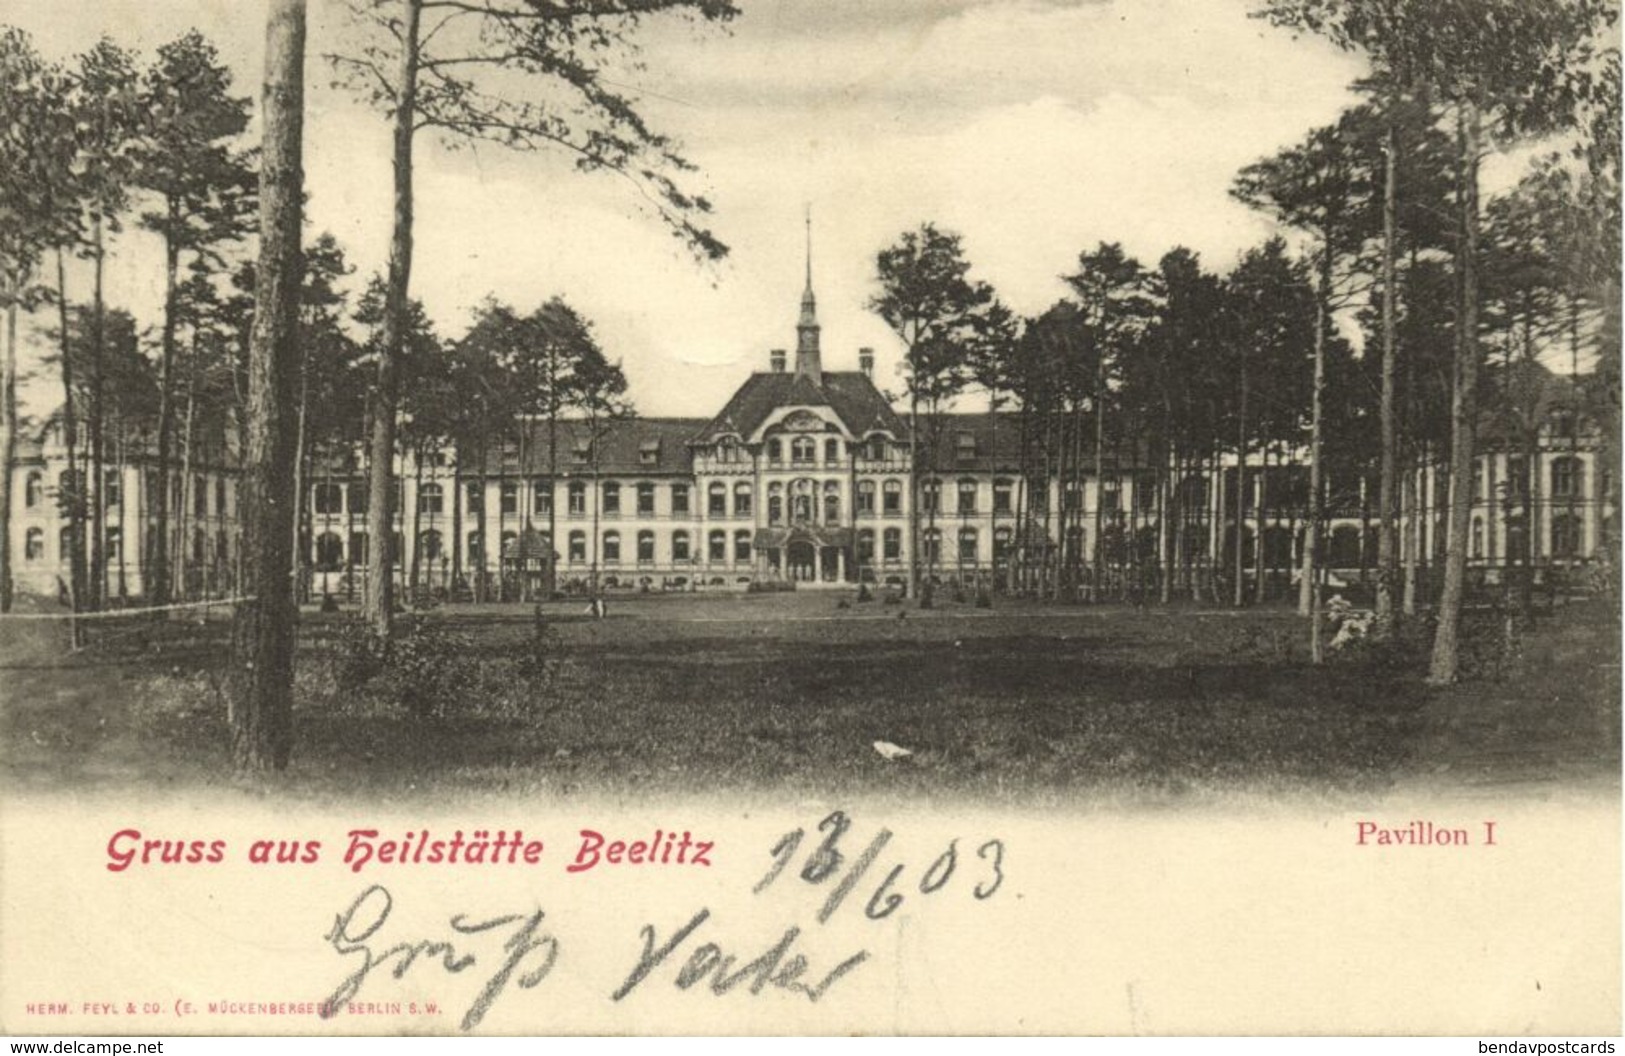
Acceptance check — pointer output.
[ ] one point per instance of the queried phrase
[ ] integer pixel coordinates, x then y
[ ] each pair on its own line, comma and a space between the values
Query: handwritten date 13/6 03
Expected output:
985, 873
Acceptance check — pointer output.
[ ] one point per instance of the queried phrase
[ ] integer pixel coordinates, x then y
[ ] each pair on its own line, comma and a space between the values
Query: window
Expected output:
775, 504
358, 548
1001, 544
200, 545
576, 499
716, 503
931, 496
802, 451
581, 452
892, 543
646, 547
200, 499
967, 496
1478, 538
221, 553
541, 496
1038, 497
1145, 492
509, 497
1517, 481
396, 551
931, 543
967, 546
1477, 492
717, 546
1003, 490
742, 546
474, 498
891, 498
832, 502
877, 448
649, 453
510, 543
219, 496
429, 498
1072, 497
329, 552
646, 499
34, 549
578, 547
832, 451
111, 482
1566, 536
727, 450
358, 496
965, 447
612, 500
866, 498
474, 544
1568, 481
64, 543
612, 547
679, 546
742, 496
866, 546
329, 498
679, 500
32, 490
429, 546
114, 544
775, 451
1111, 496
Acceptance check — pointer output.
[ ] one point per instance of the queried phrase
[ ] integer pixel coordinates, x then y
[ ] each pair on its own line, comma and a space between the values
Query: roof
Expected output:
976, 441
625, 446
850, 394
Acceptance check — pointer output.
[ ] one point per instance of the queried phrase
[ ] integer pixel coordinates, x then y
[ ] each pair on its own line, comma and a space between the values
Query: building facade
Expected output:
802, 479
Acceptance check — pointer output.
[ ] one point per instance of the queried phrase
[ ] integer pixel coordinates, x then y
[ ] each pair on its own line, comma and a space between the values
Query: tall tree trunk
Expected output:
1309, 596
1241, 491
158, 573
98, 506
75, 499
8, 437
264, 631
381, 516
303, 526
1099, 552
913, 499
1261, 532
184, 516
1463, 407
1387, 556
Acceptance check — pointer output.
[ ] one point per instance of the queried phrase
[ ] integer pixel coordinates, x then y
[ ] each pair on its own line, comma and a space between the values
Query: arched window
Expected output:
612, 499
775, 451
801, 501
832, 451
612, 547
577, 499
679, 546
431, 500
475, 556
35, 547
1001, 544
679, 500
329, 552
742, 546
931, 496
891, 495
429, 546
508, 497
892, 542
1568, 479
1566, 536
866, 546
541, 496
32, 490
775, 503
803, 450
578, 546
646, 499
832, 502
716, 500
1478, 538
865, 506
967, 495
64, 483
967, 546
717, 546
931, 540
1003, 490
328, 498
646, 547
742, 495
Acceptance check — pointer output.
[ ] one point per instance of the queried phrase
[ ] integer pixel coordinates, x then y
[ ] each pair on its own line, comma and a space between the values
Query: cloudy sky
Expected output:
1035, 128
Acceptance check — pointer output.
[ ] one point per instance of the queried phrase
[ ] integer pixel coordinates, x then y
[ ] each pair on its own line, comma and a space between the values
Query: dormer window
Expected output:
581, 452
965, 447
649, 453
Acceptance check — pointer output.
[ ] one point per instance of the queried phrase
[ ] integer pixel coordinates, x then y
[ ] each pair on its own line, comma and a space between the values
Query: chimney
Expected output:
866, 362
776, 360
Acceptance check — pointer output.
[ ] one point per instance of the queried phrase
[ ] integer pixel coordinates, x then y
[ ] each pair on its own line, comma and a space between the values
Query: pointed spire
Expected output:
807, 352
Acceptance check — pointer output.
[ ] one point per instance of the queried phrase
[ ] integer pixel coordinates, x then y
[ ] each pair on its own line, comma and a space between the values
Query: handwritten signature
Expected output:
526, 951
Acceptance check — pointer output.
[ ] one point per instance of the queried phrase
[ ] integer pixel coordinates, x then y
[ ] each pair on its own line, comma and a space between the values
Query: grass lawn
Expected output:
788, 693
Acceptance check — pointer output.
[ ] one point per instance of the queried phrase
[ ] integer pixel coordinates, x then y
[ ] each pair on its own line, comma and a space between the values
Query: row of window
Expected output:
113, 544
113, 490
1567, 479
